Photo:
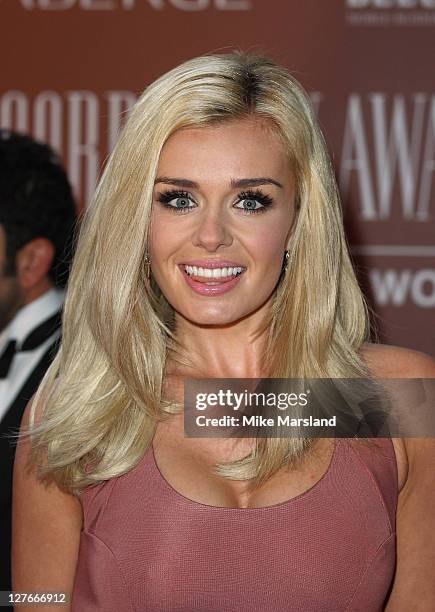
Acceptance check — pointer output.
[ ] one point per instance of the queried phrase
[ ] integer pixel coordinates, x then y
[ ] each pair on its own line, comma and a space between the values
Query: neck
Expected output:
234, 350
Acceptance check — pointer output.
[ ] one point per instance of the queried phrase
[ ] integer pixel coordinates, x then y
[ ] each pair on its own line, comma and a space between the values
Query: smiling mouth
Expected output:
212, 276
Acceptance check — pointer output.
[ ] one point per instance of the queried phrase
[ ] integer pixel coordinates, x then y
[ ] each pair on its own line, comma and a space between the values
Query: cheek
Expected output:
268, 245
160, 239
168, 234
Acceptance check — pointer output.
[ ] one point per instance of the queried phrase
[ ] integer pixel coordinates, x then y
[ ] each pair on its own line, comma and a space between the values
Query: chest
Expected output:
330, 548
188, 467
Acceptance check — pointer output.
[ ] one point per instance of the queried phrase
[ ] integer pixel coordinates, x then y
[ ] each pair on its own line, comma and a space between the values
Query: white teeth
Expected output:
213, 272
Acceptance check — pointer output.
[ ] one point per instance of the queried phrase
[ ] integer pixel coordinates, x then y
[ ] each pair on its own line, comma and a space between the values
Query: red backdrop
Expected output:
71, 68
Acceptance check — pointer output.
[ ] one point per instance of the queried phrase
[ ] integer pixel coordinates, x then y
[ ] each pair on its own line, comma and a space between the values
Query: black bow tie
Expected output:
37, 336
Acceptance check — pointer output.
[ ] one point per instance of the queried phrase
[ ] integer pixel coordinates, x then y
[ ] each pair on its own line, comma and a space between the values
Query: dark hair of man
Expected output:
36, 201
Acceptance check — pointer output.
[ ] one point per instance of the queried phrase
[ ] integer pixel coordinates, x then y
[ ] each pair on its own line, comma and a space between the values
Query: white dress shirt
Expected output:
25, 320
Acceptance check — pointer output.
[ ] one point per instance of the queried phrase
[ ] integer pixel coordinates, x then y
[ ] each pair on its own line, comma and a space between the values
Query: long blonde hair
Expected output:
103, 392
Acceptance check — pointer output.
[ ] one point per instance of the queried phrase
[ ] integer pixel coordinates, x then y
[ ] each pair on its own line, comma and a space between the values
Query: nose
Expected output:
213, 229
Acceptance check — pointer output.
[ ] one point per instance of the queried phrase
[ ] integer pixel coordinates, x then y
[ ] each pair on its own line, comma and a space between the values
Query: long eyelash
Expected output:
166, 196
255, 194
250, 194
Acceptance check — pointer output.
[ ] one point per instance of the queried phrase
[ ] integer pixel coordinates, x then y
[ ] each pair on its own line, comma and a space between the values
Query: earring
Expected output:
148, 266
286, 258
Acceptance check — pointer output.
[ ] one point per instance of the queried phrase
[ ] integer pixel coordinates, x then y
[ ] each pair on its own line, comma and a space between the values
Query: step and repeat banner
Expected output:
71, 69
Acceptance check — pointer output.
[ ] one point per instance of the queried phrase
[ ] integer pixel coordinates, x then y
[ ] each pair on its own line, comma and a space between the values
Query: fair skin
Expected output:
32, 265
219, 226
221, 332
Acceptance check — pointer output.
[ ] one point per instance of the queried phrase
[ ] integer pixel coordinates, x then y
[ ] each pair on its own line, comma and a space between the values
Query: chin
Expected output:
212, 316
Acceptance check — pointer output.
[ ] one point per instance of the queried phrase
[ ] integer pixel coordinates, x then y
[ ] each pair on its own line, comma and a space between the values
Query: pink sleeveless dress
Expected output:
147, 548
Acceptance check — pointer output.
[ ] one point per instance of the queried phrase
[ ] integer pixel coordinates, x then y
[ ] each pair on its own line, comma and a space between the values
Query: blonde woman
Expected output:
221, 166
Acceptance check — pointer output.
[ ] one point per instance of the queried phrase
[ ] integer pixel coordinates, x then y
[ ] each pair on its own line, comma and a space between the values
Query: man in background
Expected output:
37, 222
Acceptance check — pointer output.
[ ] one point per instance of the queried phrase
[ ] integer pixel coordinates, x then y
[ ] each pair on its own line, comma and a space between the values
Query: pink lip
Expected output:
202, 288
212, 263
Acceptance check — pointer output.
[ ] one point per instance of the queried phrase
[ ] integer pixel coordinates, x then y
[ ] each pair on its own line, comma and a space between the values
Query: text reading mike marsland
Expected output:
260, 421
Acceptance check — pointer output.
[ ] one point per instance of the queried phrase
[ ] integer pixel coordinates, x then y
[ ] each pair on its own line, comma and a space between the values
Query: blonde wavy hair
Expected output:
102, 395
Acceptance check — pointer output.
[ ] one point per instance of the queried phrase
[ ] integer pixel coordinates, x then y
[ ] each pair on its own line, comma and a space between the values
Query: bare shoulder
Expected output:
415, 460
387, 361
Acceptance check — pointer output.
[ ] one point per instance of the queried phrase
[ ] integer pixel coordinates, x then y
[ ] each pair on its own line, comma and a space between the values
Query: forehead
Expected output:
239, 148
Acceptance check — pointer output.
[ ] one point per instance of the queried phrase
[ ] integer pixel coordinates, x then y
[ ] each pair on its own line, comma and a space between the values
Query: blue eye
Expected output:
176, 200
250, 204
254, 201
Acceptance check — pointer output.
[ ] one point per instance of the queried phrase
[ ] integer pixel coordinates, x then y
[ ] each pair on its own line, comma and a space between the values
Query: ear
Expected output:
33, 262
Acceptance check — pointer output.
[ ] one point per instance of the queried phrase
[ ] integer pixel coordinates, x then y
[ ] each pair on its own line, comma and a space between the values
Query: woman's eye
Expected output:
180, 202
254, 202
176, 201
250, 204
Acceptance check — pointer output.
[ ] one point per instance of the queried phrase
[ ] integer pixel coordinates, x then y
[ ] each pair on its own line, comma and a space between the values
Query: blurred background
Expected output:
71, 69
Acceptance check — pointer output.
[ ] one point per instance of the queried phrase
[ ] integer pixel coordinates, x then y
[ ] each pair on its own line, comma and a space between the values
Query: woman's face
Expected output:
223, 209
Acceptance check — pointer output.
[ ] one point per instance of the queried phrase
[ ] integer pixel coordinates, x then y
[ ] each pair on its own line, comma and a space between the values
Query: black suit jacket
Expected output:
11, 423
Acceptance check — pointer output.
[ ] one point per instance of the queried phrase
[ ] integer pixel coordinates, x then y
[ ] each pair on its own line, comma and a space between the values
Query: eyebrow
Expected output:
235, 183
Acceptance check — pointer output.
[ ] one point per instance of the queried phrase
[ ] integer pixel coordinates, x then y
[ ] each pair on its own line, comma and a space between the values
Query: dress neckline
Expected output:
284, 504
